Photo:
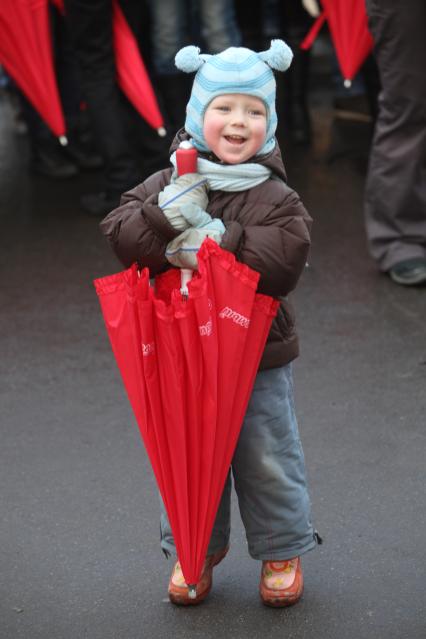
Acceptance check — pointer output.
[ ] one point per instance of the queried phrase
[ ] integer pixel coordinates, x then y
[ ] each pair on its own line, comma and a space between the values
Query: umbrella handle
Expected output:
185, 277
186, 160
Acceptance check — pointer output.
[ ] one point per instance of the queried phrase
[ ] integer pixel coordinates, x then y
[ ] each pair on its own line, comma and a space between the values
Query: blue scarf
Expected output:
229, 177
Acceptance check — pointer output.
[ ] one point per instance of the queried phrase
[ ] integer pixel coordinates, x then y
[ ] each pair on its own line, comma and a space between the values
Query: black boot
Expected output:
100, 204
51, 160
81, 148
47, 156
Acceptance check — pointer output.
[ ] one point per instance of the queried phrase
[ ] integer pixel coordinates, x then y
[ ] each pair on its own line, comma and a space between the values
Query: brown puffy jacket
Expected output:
267, 228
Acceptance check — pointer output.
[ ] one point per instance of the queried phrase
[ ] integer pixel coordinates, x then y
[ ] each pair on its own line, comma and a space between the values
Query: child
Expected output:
250, 211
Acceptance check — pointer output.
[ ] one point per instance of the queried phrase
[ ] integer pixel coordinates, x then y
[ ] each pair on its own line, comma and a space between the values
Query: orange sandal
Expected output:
281, 582
178, 589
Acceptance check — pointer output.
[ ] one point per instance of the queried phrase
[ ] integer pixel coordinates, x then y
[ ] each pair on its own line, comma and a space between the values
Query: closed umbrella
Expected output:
26, 53
347, 21
199, 356
132, 74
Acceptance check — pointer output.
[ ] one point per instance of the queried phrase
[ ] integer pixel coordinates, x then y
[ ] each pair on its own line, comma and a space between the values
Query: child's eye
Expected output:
223, 108
256, 112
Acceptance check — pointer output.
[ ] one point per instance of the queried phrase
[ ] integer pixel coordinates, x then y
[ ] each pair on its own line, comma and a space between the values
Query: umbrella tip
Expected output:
192, 591
347, 83
161, 132
63, 140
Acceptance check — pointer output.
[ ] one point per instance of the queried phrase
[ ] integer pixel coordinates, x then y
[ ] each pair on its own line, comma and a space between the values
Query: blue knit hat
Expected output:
235, 70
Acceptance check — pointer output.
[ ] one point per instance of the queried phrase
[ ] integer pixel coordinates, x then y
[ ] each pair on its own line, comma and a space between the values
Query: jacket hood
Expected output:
272, 160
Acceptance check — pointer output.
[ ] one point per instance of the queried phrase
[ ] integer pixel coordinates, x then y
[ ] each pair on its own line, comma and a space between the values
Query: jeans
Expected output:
171, 29
269, 476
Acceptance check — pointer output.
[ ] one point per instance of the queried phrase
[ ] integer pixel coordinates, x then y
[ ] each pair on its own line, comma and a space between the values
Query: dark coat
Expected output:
267, 228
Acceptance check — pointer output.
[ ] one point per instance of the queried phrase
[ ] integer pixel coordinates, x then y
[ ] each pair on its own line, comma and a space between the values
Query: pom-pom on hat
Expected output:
235, 70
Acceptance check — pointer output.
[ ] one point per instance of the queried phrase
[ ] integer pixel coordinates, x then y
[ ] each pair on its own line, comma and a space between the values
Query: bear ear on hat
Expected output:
189, 59
278, 56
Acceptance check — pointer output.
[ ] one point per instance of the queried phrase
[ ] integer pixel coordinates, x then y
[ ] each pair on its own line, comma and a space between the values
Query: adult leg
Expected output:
90, 24
395, 197
295, 96
219, 27
169, 26
169, 33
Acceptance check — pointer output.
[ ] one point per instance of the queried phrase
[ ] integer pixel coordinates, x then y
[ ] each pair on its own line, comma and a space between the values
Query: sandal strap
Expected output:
282, 566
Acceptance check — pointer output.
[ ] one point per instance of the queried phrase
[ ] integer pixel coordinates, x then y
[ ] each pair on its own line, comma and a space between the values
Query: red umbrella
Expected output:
26, 53
347, 20
195, 361
132, 75
131, 71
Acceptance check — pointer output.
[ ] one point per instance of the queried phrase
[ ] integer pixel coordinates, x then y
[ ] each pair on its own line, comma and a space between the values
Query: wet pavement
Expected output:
79, 533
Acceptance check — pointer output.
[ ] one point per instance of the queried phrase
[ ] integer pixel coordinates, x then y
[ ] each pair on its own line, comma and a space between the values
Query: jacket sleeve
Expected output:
138, 230
277, 247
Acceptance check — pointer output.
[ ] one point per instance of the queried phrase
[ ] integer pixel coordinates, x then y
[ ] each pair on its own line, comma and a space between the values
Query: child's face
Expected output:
235, 127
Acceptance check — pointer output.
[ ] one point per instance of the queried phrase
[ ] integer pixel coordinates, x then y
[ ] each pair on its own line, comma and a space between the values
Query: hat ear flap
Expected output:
278, 56
189, 59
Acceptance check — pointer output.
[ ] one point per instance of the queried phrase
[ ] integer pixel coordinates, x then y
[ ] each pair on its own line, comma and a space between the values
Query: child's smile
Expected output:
235, 139
235, 127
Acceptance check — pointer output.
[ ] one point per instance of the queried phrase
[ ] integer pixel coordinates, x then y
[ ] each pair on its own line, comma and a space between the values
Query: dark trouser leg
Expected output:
294, 95
91, 31
296, 90
175, 89
395, 198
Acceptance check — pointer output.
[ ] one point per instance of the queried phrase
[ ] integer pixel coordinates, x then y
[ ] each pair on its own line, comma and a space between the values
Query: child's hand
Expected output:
190, 189
182, 251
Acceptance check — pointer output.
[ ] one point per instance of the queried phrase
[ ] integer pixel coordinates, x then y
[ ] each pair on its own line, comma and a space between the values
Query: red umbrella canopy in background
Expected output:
132, 75
26, 53
189, 365
347, 21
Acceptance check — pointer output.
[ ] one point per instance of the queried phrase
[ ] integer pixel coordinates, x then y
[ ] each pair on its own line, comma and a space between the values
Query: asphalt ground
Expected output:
79, 545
